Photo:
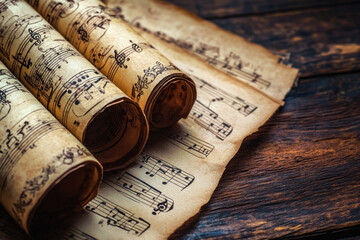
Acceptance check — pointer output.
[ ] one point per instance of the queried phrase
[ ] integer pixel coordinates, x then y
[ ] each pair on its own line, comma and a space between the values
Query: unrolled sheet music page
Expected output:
245, 61
179, 168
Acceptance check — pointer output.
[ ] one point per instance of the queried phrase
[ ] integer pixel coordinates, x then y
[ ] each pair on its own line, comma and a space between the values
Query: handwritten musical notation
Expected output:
230, 63
123, 56
189, 143
56, 9
210, 120
19, 139
86, 85
12, 29
71, 233
92, 20
34, 38
219, 95
117, 216
171, 174
44, 76
8, 85
5, 106
139, 191
98, 54
5, 5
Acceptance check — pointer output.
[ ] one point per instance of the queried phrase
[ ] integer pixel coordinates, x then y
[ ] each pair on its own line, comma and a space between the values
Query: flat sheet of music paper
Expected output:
245, 61
179, 168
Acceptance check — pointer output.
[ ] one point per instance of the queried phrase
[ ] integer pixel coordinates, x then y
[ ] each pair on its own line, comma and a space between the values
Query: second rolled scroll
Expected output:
144, 74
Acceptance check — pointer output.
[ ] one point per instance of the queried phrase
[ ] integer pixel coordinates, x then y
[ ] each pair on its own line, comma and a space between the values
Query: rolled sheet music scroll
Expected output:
99, 114
180, 168
45, 172
161, 89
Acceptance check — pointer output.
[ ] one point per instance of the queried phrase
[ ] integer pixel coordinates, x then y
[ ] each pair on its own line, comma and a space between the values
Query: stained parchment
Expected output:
45, 172
180, 168
101, 116
161, 89
246, 61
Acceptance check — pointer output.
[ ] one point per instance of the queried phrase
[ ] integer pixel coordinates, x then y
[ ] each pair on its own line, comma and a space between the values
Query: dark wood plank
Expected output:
321, 41
225, 8
300, 174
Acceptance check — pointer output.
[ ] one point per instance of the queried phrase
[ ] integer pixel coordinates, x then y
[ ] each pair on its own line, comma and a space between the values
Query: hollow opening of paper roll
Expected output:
117, 134
173, 102
68, 194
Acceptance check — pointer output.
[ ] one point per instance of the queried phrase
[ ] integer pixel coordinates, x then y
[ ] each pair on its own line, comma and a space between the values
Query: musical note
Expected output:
123, 56
86, 85
13, 29
139, 191
209, 120
34, 38
98, 54
43, 77
219, 95
5, 106
170, 173
93, 20
19, 139
55, 10
117, 216
189, 143
4, 6
211, 54
8, 86
223, 62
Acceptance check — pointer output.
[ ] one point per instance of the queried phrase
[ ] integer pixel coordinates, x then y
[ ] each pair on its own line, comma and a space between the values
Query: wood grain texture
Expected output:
299, 175
320, 41
226, 8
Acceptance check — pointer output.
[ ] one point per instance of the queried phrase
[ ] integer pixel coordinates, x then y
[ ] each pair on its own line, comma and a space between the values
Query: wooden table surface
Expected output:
299, 175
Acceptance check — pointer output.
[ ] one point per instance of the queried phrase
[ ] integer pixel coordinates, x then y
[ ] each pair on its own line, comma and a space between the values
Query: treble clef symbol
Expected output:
120, 59
162, 207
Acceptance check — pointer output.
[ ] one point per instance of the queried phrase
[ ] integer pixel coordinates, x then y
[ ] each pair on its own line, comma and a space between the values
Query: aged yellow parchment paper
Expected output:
246, 61
142, 72
99, 114
180, 167
45, 172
